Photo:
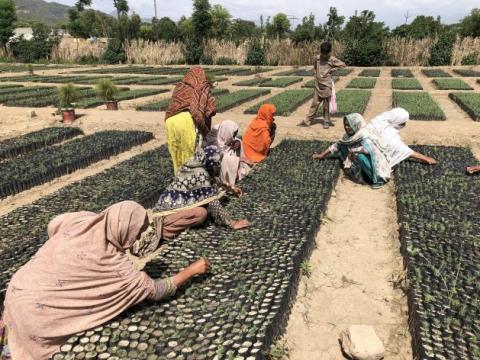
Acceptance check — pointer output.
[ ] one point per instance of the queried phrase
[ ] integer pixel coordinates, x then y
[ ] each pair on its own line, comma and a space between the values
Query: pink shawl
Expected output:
79, 279
232, 168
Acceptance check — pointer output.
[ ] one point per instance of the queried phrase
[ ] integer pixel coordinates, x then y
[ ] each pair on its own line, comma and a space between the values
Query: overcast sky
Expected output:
391, 12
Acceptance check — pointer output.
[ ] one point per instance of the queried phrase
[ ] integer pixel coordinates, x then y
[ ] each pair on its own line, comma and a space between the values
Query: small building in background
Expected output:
26, 32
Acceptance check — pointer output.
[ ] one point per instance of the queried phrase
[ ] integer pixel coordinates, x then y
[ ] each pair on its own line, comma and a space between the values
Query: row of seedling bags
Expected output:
250, 306
24, 144
48, 163
230, 313
439, 213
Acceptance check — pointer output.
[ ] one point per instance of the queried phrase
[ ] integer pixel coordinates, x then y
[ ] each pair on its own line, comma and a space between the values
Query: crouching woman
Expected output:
362, 162
81, 278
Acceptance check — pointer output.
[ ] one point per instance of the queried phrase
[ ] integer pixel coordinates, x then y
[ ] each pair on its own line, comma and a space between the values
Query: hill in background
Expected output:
50, 13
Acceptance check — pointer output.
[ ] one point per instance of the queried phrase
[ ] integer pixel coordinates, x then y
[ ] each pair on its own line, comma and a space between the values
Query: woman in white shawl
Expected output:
362, 161
234, 166
383, 132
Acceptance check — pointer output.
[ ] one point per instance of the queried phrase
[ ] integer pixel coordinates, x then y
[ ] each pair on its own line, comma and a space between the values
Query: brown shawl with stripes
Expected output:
193, 94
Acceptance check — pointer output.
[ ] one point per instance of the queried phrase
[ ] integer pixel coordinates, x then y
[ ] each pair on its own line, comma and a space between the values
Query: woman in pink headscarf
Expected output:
234, 165
81, 278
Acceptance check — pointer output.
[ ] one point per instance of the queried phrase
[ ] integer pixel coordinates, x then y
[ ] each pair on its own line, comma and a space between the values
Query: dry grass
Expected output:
144, 52
401, 51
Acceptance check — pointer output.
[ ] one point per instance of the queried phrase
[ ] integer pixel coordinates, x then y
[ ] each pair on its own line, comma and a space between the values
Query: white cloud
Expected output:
391, 12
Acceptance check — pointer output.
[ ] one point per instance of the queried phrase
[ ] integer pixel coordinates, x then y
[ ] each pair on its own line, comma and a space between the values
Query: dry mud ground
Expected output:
357, 260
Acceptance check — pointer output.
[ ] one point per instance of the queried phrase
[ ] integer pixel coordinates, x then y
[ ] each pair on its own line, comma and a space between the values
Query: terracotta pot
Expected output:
112, 105
68, 116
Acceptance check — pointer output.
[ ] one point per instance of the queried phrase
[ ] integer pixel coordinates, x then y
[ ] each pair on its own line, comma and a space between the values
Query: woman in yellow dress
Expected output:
189, 114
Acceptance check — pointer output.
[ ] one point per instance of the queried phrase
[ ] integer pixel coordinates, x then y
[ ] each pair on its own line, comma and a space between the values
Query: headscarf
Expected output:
194, 184
383, 132
231, 167
79, 279
357, 123
193, 94
257, 140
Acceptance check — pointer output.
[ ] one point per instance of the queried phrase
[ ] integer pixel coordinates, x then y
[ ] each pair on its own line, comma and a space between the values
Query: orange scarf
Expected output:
257, 140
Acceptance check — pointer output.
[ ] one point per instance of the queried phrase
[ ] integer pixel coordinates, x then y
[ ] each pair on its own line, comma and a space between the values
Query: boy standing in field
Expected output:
325, 65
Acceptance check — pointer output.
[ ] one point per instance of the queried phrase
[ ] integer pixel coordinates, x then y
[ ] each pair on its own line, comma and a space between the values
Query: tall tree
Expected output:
7, 19
470, 25
363, 38
307, 31
333, 26
201, 18
242, 30
221, 21
420, 28
279, 27
122, 7
165, 29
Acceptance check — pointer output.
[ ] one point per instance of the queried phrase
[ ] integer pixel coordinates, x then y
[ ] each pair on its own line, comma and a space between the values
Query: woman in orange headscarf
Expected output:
260, 134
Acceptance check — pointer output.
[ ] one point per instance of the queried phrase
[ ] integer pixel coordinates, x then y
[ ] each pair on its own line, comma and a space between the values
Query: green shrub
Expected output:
441, 51
223, 60
471, 59
114, 53
106, 89
256, 54
89, 59
67, 94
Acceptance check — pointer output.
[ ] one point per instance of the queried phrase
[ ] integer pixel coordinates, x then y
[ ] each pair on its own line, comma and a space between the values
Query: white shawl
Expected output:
383, 132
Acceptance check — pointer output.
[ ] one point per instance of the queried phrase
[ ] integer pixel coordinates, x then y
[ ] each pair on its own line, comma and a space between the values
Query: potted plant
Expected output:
68, 94
107, 90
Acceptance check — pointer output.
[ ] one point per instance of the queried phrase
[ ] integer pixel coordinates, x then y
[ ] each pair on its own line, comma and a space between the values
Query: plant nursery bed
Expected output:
24, 230
406, 84
439, 216
10, 86
351, 101
46, 164
47, 98
27, 143
161, 81
311, 83
419, 104
242, 306
342, 72
435, 73
286, 102
469, 102
162, 105
401, 73
11, 90
362, 83
370, 73
231, 100
252, 82
451, 84
27, 92
467, 73
296, 72
124, 95
281, 82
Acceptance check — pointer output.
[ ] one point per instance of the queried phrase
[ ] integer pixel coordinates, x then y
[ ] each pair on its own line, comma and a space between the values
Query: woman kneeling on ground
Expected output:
360, 158
234, 166
188, 200
81, 278
260, 134
473, 170
380, 139
189, 114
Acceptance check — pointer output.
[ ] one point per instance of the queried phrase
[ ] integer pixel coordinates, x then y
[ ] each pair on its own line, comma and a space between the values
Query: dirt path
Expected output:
357, 257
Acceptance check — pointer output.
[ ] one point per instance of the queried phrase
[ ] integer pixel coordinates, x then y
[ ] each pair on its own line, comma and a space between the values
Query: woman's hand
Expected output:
430, 161
472, 169
199, 267
317, 156
237, 191
240, 224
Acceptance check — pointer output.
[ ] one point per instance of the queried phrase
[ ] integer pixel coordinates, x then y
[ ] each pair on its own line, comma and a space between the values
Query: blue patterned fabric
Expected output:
194, 182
